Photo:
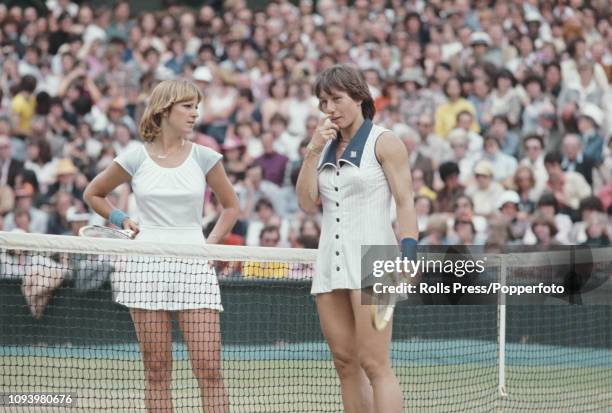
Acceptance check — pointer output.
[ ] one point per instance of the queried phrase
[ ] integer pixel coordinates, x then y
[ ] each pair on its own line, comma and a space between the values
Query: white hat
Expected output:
533, 16
412, 74
508, 196
203, 74
593, 112
480, 38
164, 73
449, 50
484, 167
72, 215
457, 135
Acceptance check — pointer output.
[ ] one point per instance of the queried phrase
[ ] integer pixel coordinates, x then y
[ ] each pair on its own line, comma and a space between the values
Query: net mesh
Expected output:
62, 331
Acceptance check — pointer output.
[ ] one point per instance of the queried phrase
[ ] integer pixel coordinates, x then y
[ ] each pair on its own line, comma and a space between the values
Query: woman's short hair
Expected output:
163, 97
448, 82
524, 169
349, 80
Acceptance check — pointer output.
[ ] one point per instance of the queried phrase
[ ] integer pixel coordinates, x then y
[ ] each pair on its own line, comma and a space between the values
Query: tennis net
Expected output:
61, 332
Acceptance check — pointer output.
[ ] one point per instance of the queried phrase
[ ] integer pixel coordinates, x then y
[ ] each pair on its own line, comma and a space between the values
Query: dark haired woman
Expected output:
354, 168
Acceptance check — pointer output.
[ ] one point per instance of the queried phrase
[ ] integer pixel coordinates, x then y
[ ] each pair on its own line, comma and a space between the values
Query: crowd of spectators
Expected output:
503, 106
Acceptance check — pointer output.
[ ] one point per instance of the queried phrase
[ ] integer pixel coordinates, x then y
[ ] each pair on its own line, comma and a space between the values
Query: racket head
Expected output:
98, 231
382, 312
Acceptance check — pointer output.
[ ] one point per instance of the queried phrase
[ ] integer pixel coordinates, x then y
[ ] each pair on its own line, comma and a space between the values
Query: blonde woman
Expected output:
169, 175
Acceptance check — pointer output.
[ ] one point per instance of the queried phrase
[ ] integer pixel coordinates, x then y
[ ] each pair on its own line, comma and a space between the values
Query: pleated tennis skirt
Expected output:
166, 283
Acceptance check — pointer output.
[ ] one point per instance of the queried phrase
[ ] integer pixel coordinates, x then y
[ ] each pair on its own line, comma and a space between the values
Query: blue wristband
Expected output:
409, 248
116, 217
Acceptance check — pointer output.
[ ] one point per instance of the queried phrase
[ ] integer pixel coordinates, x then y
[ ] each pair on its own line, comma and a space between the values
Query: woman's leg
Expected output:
202, 334
338, 325
154, 330
373, 350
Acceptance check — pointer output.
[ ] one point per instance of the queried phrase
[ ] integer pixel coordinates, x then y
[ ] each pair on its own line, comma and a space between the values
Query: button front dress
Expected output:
356, 201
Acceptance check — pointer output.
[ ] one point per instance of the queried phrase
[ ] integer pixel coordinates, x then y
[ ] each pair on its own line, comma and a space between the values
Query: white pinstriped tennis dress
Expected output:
356, 201
170, 203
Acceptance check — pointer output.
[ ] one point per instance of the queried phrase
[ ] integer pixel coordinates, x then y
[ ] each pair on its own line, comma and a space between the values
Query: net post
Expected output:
501, 331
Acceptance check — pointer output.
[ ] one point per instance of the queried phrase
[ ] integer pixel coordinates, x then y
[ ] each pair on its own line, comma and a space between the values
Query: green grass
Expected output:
285, 386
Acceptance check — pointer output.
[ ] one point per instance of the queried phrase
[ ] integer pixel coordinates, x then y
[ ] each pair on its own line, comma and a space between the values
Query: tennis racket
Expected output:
98, 231
382, 309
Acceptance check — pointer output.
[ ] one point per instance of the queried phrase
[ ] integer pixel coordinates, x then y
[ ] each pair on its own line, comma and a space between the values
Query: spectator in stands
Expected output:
265, 217
58, 222
285, 143
9, 167
485, 192
122, 139
534, 88
525, 185
590, 120
423, 206
414, 104
94, 68
549, 208
23, 106
37, 219
597, 231
269, 236
272, 162
574, 158
588, 206
276, 102
548, 127
255, 187
478, 98
503, 165
69, 179
233, 158
40, 160
517, 221
464, 233
446, 114
504, 100
436, 232
458, 141
219, 104
431, 145
465, 120
449, 173
544, 231
568, 188
420, 187
580, 91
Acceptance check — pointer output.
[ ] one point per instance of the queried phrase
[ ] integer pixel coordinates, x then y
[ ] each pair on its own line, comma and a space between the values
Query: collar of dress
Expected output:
353, 151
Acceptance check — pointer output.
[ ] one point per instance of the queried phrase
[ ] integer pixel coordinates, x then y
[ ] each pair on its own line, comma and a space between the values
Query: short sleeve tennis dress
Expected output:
170, 203
356, 203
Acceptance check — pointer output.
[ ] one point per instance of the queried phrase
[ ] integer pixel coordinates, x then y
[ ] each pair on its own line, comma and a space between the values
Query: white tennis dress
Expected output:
170, 203
356, 203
